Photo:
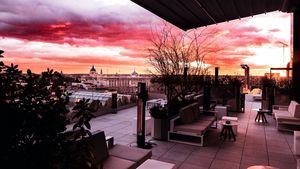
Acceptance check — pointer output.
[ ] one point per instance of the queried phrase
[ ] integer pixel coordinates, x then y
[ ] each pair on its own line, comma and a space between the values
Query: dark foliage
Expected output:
267, 82
34, 118
231, 81
158, 112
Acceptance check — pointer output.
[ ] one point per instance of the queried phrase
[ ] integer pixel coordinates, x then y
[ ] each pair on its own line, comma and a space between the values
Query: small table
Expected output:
233, 119
227, 130
260, 116
261, 167
155, 164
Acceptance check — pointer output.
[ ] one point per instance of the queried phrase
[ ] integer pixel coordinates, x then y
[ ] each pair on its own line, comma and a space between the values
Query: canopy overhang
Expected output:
188, 14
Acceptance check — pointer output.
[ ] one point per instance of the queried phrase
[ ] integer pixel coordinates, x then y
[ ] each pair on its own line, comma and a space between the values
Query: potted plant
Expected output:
283, 92
159, 128
268, 92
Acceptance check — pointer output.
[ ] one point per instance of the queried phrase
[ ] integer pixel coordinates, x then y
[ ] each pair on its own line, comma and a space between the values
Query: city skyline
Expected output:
114, 36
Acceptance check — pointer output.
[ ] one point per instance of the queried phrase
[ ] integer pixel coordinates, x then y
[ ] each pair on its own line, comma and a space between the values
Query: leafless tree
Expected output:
178, 58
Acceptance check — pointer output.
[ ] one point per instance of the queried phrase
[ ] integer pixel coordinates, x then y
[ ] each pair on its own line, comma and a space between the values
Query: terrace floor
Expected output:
256, 144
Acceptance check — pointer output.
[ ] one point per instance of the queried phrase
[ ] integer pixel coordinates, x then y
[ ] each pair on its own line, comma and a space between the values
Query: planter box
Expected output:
160, 128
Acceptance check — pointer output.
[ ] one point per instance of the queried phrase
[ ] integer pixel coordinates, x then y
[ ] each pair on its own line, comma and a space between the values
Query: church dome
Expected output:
134, 73
93, 70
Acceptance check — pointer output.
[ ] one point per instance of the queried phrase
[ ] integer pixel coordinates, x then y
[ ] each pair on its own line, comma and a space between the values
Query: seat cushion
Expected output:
196, 110
99, 149
204, 122
281, 113
207, 118
113, 162
297, 111
187, 114
130, 153
291, 107
196, 127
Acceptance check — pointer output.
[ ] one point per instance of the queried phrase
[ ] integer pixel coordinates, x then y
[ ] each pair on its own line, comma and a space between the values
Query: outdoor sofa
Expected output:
118, 156
287, 117
190, 125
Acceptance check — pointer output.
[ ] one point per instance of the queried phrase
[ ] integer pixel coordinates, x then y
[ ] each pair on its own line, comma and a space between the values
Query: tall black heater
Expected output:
216, 76
142, 98
114, 102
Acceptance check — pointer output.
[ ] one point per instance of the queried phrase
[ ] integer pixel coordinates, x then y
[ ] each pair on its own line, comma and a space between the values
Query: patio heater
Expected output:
216, 76
247, 72
114, 102
141, 104
185, 70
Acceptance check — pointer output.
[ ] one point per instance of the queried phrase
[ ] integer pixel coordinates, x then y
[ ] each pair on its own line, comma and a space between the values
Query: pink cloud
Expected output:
113, 25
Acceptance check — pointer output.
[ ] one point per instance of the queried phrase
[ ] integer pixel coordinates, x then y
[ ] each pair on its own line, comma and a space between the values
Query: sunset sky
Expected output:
73, 35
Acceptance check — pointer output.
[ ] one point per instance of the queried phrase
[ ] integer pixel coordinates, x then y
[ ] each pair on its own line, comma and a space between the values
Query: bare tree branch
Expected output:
173, 52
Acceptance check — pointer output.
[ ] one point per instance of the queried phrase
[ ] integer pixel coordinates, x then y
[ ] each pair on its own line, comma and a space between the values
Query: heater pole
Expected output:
142, 98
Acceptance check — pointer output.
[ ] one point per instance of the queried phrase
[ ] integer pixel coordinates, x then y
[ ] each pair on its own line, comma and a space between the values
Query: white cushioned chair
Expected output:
287, 117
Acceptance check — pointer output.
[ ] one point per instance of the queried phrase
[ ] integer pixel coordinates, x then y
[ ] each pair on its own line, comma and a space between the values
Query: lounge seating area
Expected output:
256, 144
118, 156
191, 125
287, 117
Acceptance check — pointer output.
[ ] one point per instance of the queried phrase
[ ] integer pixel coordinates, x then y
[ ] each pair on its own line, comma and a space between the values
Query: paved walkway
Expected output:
256, 144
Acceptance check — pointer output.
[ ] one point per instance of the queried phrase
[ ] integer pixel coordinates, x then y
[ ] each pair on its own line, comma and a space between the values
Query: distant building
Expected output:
123, 83
93, 70
134, 73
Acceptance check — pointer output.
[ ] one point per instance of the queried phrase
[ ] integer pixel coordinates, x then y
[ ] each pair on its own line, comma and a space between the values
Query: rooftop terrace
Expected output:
256, 144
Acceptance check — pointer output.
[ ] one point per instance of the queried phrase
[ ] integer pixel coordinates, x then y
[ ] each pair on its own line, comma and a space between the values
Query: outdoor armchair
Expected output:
287, 117
118, 156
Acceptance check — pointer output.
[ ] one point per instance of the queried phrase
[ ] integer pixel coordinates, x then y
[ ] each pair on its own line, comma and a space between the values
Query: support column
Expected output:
296, 56
288, 71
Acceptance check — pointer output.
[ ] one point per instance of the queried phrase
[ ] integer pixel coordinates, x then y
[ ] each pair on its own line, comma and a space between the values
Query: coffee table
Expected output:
155, 164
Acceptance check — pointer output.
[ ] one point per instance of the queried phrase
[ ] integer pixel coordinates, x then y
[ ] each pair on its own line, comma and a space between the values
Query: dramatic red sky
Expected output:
114, 35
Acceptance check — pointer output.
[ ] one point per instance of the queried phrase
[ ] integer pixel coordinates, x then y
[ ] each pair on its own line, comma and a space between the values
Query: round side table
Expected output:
227, 131
260, 116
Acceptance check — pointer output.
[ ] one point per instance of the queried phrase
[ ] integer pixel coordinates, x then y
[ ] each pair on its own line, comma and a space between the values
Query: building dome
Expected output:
93, 70
134, 73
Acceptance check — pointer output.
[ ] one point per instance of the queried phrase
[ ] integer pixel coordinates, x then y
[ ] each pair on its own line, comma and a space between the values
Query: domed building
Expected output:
93, 70
134, 73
